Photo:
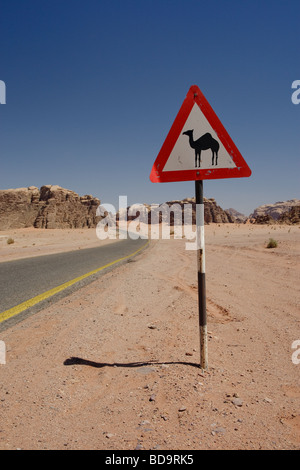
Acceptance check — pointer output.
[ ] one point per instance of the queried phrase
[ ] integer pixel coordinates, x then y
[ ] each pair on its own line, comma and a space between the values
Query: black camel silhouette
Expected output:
206, 141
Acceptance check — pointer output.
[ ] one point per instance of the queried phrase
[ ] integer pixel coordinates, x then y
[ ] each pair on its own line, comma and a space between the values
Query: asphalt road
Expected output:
25, 279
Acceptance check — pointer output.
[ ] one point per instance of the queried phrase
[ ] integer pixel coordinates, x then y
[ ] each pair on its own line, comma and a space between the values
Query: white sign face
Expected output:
198, 147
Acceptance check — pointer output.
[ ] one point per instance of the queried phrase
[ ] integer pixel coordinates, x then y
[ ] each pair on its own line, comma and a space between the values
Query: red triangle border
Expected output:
157, 174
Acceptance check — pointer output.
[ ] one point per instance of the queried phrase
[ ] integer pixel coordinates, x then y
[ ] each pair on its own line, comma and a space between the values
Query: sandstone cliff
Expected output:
238, 216
275, 210
291, 216
47, 207
283, 212
177, 208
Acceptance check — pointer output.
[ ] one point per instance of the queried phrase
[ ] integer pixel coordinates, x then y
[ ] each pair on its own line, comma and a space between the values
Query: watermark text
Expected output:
2, 92
151, 222
2, 353
296, 94
296, 354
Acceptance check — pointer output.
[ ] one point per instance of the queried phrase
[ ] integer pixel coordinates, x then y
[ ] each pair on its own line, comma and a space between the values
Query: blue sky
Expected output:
94, 86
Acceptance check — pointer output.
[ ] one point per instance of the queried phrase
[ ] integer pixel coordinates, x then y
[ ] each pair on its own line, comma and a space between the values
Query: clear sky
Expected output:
93, 87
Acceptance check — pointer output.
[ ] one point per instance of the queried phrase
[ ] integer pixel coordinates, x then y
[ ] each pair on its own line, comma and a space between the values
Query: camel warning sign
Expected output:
197, 147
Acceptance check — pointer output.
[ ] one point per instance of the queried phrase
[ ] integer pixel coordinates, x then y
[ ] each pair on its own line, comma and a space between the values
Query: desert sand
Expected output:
31, 242
115, 364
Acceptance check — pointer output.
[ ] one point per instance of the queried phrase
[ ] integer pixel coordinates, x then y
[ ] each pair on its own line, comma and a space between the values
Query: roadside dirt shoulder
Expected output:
115, 364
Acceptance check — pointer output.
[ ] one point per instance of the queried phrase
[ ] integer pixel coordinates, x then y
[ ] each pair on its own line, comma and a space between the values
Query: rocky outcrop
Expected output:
47, 207
287, 212
238, 216
175, 212
18, 207
275, 210
291, 217
215, 214
264, 219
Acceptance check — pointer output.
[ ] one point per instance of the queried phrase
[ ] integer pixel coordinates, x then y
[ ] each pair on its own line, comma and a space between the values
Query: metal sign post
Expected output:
201, 274
198, 148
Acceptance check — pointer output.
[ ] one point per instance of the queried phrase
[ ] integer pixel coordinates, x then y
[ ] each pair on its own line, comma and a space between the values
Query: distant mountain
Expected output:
291, 216
274, 211
237, 215
48, 207
212, 212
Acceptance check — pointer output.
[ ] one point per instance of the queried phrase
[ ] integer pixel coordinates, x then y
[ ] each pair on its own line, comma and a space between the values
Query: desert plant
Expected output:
10, 241
272, 243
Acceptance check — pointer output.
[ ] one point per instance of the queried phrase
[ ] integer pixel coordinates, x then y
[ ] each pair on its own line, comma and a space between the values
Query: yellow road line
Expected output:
39, 298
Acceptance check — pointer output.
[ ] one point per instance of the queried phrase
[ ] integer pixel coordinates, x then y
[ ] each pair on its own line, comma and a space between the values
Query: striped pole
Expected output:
201, 273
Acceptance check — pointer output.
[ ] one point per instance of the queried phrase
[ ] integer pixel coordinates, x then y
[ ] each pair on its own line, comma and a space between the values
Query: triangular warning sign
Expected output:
197, 147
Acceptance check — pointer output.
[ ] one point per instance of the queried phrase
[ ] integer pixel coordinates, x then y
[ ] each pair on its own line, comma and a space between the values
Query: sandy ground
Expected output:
35, 242
115, 364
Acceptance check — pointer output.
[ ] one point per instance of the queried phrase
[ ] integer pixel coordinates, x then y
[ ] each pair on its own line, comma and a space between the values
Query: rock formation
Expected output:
291, 216
287, 212
275, 210
176, 209
238, 216
49, 207
263, 219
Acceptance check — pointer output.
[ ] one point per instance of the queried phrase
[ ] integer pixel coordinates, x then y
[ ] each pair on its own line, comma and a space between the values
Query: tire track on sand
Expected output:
181, 280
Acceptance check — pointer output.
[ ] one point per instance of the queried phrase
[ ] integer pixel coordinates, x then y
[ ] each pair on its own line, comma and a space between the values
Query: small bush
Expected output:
272, 243
10, 241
